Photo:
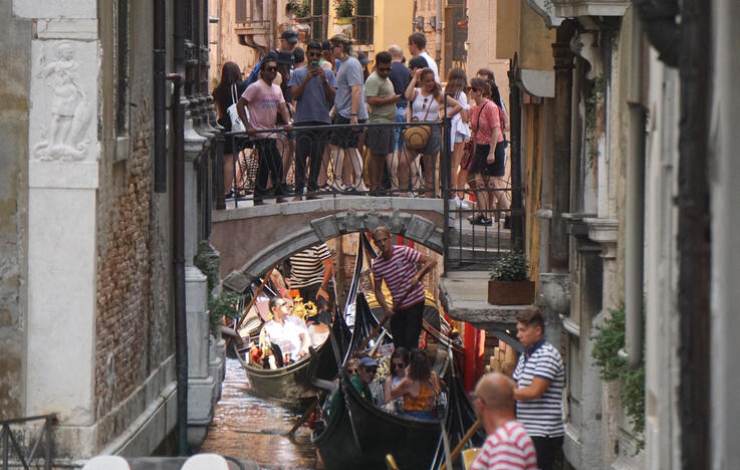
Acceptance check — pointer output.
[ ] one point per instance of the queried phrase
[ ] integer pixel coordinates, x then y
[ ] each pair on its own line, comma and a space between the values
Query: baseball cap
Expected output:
368, 362
290, 36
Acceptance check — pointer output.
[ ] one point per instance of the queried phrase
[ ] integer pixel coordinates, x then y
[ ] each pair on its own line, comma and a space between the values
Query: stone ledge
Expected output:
464, 296
330, 204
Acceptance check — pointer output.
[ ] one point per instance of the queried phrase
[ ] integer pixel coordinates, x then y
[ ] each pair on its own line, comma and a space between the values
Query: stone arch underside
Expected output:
250, 245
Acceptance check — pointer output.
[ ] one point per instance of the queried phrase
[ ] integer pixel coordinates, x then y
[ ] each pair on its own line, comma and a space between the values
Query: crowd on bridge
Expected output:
339, 127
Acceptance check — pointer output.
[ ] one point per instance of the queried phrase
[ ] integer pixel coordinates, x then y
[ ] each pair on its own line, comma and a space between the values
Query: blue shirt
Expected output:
312, 105
400, 77
349, 75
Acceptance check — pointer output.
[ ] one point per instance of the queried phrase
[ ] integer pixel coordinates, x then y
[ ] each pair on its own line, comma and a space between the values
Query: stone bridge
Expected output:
253, 239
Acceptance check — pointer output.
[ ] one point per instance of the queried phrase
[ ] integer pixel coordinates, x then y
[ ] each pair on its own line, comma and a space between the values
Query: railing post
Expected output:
517, 214
218, 172
6, 446
446, 185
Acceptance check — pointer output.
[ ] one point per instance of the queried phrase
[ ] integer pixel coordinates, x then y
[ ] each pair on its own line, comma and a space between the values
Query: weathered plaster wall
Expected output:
15, 36
224, 42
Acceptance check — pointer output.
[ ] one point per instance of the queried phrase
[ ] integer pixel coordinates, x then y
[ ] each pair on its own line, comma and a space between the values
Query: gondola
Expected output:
360, 435
296, 385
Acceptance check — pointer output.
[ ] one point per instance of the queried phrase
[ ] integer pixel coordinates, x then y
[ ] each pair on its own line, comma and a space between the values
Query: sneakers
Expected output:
480, 220
338, 186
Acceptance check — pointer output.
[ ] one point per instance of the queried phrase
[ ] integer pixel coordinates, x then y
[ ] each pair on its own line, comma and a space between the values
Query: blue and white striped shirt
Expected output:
542, 417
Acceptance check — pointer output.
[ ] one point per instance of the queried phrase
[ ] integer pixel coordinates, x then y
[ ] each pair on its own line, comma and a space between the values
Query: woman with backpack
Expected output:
225, 95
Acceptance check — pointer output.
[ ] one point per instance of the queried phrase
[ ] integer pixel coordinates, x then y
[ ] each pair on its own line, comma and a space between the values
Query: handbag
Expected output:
416, 137
470, 146
236, 123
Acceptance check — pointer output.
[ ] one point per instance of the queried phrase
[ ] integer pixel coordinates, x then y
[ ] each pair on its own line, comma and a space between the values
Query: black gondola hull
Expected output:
411, 442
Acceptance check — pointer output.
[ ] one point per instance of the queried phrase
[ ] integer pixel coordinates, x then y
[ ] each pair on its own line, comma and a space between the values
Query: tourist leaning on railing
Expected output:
427, 104
264, 100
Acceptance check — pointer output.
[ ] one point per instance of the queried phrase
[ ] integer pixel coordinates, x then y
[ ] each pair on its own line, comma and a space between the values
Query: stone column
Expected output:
62, 181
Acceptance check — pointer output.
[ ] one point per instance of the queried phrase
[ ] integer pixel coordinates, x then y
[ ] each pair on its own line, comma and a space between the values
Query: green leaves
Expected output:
510, 266
225, 305
607, 342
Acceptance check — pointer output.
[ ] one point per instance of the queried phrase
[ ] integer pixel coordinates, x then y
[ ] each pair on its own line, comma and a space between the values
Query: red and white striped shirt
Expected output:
397, 272
509, 448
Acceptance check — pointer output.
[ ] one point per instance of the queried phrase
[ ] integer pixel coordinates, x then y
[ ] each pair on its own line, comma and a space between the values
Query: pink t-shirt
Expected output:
483, 125
509, 448
263, 101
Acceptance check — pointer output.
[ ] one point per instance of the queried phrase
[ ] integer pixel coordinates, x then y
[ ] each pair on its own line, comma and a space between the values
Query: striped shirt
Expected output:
509, 448
542, 417
397, 273
307, 266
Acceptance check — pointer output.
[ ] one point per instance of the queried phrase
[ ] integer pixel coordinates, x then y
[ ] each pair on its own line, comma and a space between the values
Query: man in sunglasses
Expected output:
264, 100
287, 331
313, 89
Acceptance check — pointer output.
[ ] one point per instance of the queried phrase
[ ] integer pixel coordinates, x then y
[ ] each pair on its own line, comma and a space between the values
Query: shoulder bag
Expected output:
470, 148
236, 123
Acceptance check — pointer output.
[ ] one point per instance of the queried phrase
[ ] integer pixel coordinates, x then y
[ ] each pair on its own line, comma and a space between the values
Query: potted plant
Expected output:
509, 284
344, 9
300, 8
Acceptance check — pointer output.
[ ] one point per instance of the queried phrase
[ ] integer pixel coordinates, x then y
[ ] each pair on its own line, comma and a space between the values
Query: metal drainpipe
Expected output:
178, 262
634, 236
160, 99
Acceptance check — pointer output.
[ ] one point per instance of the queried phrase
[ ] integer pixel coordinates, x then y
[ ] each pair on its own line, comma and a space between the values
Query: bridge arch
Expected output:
252, 240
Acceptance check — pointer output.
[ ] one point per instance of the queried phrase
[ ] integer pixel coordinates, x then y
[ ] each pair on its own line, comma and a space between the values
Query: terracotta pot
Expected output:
510, 292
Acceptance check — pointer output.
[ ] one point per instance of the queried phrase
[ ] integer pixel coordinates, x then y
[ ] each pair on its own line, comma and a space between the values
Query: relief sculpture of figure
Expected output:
70, 116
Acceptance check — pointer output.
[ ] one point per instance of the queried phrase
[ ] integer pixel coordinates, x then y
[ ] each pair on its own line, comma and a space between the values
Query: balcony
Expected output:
574, 8
250, 27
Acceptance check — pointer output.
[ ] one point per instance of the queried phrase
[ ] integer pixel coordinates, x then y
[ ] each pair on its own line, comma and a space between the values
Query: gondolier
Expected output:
397, 265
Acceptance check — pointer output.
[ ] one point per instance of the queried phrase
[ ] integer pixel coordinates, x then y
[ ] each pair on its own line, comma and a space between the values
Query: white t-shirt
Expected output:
432, 65
287, 335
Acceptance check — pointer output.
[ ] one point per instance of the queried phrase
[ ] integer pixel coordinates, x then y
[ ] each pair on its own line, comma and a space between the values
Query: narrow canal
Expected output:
252, 429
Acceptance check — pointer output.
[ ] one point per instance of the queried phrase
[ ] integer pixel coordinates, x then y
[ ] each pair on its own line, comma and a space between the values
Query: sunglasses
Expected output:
270, 69
371, 370
314, 54
475, 89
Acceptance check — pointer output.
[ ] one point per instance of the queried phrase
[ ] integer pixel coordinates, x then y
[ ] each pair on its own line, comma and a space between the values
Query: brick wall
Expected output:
124, 278
14, 54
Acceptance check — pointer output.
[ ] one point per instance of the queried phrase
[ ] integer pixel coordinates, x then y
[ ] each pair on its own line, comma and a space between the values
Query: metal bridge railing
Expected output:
310, 162
27, 442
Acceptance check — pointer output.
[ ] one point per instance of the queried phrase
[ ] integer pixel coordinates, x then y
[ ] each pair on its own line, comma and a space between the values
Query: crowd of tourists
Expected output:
344, 128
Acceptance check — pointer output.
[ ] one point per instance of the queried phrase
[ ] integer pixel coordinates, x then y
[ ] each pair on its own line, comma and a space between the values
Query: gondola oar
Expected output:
376, 331
460, 445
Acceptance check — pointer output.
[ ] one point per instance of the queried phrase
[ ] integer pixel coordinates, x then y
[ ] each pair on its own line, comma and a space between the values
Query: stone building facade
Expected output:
632, 213
86, 299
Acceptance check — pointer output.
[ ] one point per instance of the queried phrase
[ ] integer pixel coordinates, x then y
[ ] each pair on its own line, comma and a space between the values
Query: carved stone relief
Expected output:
68, 117
63, 100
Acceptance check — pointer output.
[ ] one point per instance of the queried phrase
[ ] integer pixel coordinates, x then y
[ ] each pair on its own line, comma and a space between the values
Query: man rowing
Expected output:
397, 265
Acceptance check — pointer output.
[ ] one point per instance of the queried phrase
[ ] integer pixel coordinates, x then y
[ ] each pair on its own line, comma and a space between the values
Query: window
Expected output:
318, 19
241, 11
363, 22
122, 72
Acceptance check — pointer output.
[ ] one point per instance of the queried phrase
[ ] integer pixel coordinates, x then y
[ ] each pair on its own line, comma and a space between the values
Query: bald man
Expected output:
508, 445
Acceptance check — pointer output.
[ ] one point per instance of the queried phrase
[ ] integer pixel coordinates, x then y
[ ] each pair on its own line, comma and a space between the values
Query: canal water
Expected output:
251, 429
